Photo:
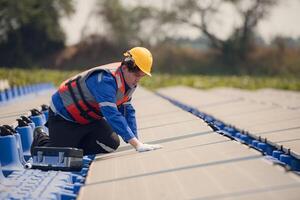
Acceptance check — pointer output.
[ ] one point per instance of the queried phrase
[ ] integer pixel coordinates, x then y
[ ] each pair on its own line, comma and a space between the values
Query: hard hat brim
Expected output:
127, 54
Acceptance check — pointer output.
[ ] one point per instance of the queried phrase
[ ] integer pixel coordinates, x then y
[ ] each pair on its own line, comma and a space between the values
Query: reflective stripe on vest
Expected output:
78, 100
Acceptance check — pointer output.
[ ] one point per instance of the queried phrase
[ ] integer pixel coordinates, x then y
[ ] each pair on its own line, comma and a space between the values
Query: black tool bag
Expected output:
57, 158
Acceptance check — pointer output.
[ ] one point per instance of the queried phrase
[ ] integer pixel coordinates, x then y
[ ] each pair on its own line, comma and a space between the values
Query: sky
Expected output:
283, 20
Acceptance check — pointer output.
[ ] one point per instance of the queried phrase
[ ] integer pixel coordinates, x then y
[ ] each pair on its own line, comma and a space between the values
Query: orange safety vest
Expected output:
78, 100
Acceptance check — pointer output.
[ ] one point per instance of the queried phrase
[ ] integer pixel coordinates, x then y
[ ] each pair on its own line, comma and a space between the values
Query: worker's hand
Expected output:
147, 147
141, 147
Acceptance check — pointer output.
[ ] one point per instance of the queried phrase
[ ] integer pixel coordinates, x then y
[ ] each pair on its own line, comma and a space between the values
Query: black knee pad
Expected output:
115, 141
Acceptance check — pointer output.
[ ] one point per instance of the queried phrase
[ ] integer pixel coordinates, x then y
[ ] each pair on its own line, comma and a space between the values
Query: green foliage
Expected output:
123, 23
207, 82
17, 76
23, 77
233, 50
30, 30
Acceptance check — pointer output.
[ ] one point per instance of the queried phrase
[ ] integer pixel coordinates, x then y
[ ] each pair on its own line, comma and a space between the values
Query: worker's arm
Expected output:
120, 126
104, 88
129, 113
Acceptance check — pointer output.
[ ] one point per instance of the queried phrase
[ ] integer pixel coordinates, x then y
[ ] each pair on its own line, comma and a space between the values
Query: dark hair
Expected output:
132, 67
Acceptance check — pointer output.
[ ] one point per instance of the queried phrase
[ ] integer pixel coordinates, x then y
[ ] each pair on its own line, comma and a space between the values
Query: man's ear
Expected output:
124, 68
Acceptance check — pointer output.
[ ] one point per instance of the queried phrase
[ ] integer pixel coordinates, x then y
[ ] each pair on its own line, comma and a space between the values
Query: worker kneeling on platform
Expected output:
90, 110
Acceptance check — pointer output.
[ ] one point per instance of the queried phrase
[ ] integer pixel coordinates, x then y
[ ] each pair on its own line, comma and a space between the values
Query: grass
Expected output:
207, 82
23, 77
30, 76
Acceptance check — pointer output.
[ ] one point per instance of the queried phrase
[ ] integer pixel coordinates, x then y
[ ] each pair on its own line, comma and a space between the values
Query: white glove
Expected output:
147, 147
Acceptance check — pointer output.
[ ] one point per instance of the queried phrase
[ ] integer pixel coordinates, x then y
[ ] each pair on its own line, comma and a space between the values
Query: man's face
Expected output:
132, 78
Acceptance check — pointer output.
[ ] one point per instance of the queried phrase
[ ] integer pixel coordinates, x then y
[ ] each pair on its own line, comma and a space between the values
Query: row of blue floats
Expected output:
270, 151
18, 91
18, 182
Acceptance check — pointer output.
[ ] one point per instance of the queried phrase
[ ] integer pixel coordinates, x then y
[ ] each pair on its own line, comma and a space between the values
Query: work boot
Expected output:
40, 138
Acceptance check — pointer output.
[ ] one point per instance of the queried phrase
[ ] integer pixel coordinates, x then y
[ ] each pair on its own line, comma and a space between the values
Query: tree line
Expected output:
31, 35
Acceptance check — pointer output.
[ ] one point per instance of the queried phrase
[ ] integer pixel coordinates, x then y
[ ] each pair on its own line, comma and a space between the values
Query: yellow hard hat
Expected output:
142, 58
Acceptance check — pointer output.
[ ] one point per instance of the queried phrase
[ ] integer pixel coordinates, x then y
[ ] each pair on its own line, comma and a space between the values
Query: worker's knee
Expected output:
111, 144
115, 142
